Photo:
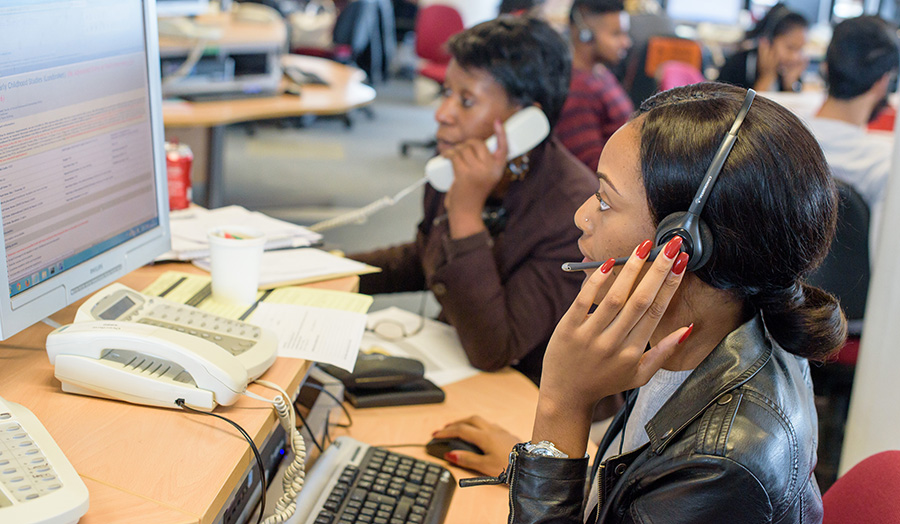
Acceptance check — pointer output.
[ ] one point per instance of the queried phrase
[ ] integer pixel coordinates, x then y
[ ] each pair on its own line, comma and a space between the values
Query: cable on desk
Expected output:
308, 429
339, 403
259, 462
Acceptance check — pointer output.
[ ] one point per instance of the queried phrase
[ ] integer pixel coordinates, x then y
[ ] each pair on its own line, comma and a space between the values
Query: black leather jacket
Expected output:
736, 443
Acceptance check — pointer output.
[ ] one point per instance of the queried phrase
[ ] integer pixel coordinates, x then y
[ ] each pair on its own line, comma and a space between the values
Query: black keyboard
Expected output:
355, 482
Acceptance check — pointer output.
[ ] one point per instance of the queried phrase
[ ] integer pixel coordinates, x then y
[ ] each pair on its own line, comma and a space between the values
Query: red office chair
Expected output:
435, 24
867, 494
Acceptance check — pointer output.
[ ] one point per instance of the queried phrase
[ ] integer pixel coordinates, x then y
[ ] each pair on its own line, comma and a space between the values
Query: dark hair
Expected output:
596, 7
772, 212
778, 21
526, 56
517, 6
862, 50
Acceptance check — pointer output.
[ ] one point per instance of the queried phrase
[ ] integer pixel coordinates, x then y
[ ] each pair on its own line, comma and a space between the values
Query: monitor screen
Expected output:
725, 12
82, 165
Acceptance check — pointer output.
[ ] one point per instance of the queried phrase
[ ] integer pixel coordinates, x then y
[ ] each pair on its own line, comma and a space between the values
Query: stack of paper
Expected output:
190, 227
301, 266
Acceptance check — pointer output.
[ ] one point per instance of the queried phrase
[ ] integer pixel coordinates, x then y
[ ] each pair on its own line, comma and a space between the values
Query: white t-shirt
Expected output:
472, 12
859, 158
650, 399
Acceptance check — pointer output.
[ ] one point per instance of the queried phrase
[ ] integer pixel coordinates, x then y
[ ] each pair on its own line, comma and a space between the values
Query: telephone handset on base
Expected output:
147, 350
144, 364
524, 131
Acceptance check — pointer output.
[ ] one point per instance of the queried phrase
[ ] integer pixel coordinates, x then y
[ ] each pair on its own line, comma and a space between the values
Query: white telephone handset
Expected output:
524, 130
148, 350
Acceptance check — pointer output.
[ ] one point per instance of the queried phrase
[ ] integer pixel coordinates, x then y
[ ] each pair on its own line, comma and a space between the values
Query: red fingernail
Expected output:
673, 246
607, 265
450, 456
686, 334
680, 263
644, 249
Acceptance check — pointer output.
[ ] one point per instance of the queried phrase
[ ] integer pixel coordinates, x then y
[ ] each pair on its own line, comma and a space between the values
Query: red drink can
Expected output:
178, 165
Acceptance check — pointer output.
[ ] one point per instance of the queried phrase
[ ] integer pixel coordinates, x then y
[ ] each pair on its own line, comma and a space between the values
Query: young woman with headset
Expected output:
719, 423
772, 58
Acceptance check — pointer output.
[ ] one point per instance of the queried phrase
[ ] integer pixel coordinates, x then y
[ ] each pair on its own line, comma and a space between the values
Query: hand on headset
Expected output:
476, 172
594, 355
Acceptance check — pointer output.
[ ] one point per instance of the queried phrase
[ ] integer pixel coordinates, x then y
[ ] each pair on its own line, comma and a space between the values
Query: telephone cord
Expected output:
359, 216
294, 475
259, 463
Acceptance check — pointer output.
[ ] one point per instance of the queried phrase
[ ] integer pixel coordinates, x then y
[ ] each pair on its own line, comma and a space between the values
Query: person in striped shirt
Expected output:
597, 105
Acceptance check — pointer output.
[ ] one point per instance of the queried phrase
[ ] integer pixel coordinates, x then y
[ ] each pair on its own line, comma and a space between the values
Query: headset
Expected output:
696, 235
585, 35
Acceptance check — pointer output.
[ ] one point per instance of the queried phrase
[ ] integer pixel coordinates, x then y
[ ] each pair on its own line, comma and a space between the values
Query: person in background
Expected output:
490, 249
860, 67
773, 57
720, 424
597, 105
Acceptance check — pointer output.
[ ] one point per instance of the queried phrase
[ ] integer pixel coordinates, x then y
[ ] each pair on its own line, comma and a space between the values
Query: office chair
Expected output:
867, 493
641, 72
435, 24
845, 274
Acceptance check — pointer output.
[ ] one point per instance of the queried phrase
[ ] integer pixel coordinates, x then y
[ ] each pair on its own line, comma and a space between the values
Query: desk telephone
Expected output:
148, 350
37, 483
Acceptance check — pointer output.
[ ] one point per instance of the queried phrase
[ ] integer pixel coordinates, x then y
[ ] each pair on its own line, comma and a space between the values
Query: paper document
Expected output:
436, 345
316, 334
301, 266
190, 227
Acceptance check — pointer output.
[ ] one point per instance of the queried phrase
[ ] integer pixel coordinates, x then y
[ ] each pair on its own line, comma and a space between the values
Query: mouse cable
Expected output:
308, 429
259, 462
359, 216
292, 481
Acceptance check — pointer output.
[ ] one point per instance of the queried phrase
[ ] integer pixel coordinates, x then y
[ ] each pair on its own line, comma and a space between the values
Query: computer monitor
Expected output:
83, 190
181, 7
723, 12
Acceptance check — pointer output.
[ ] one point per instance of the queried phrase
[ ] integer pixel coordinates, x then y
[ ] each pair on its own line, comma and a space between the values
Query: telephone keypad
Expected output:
25, 473
234, 336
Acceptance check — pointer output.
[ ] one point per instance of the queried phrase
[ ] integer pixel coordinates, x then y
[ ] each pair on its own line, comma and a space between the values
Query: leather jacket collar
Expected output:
735, 360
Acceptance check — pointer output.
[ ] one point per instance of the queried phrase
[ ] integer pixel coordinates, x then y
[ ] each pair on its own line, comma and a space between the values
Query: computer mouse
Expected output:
439, 447
377, 371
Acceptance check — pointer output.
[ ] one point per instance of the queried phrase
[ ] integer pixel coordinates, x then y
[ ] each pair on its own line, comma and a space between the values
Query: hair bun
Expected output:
804, 320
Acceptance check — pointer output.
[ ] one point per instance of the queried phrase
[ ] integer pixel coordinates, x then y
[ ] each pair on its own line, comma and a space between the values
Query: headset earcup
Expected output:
706, 251
585, 35
698, 243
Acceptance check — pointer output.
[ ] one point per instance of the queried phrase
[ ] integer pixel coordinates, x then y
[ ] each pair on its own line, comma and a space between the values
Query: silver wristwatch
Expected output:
544, 448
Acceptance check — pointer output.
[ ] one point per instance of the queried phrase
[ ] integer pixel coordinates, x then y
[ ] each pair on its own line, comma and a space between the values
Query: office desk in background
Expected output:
345, 91
146, 465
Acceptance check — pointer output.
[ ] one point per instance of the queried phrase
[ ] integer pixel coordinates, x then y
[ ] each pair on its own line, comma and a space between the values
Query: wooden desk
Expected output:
161, 466
506, 398
143, 464
345, 92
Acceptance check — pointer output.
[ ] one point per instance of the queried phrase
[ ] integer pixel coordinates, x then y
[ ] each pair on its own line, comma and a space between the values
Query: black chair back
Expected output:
845, 270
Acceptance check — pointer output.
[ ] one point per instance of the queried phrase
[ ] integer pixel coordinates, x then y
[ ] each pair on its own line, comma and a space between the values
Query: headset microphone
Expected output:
696, 236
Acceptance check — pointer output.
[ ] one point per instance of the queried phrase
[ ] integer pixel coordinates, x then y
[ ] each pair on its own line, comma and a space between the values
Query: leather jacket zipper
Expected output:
601, 488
